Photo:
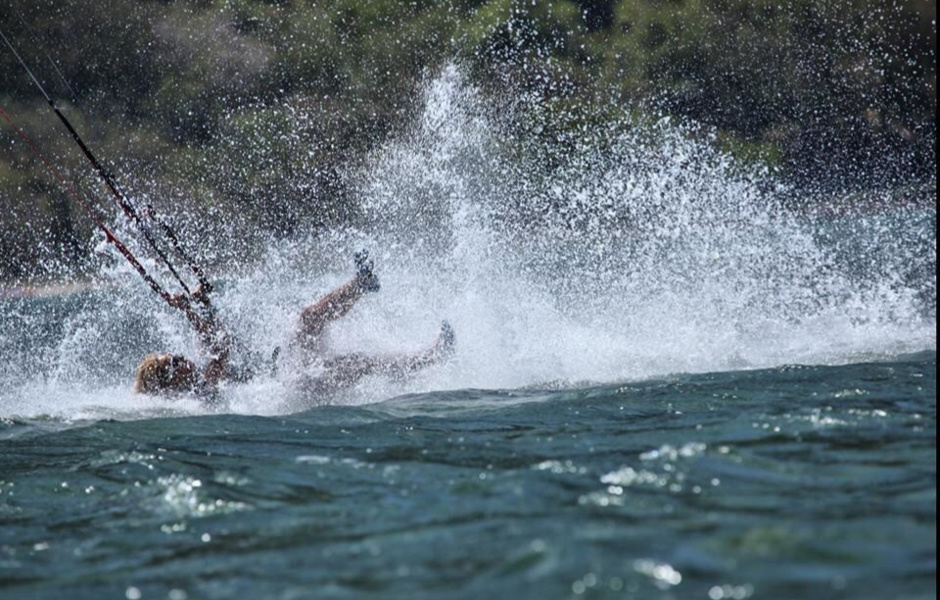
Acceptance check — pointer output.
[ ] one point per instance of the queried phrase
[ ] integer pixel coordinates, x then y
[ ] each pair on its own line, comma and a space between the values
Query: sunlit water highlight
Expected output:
623, 418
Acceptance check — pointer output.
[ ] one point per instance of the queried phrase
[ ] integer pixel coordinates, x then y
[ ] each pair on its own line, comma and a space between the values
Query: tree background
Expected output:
247, 110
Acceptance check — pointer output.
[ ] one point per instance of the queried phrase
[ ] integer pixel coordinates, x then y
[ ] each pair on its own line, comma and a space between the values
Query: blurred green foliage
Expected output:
245, 110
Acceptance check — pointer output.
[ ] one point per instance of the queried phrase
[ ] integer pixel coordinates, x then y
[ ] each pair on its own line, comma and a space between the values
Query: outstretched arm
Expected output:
215, 340
216, 369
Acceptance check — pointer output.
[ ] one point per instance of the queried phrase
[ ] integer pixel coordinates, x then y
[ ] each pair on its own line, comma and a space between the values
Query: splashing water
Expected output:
633, 251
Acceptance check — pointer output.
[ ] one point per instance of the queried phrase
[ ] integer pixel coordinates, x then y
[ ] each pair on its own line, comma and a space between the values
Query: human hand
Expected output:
178, 301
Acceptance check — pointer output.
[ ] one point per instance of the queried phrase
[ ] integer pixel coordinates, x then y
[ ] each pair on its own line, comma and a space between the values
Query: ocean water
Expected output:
793, 482
667, 384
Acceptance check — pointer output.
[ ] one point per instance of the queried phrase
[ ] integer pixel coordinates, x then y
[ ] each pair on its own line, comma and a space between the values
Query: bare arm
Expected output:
215, 340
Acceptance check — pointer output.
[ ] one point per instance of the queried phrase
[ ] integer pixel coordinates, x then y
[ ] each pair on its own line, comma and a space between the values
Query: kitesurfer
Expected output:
169, 374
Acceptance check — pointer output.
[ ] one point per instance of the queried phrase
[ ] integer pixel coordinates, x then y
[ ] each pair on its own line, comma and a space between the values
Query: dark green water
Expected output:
792, 483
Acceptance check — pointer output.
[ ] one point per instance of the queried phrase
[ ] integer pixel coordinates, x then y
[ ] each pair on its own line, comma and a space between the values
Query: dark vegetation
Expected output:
246, 110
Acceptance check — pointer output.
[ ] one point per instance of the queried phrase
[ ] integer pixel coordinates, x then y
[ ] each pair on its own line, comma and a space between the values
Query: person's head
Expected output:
165, 374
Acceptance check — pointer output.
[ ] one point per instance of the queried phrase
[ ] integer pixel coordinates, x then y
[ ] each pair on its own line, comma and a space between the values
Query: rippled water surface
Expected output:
794, 482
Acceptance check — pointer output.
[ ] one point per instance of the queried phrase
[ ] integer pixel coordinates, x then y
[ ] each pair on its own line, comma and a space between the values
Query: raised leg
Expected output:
315, 318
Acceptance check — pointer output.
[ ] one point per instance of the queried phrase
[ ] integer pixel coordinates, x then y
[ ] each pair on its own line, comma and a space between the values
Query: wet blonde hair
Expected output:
157, 374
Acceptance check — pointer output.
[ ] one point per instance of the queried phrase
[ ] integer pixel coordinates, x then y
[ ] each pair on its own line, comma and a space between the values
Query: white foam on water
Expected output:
641, 250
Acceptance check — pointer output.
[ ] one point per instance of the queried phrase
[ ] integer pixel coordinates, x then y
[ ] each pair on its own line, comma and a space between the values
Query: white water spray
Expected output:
637, 251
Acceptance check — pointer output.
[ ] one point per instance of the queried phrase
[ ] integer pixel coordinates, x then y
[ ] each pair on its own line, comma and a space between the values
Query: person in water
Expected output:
168, 374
